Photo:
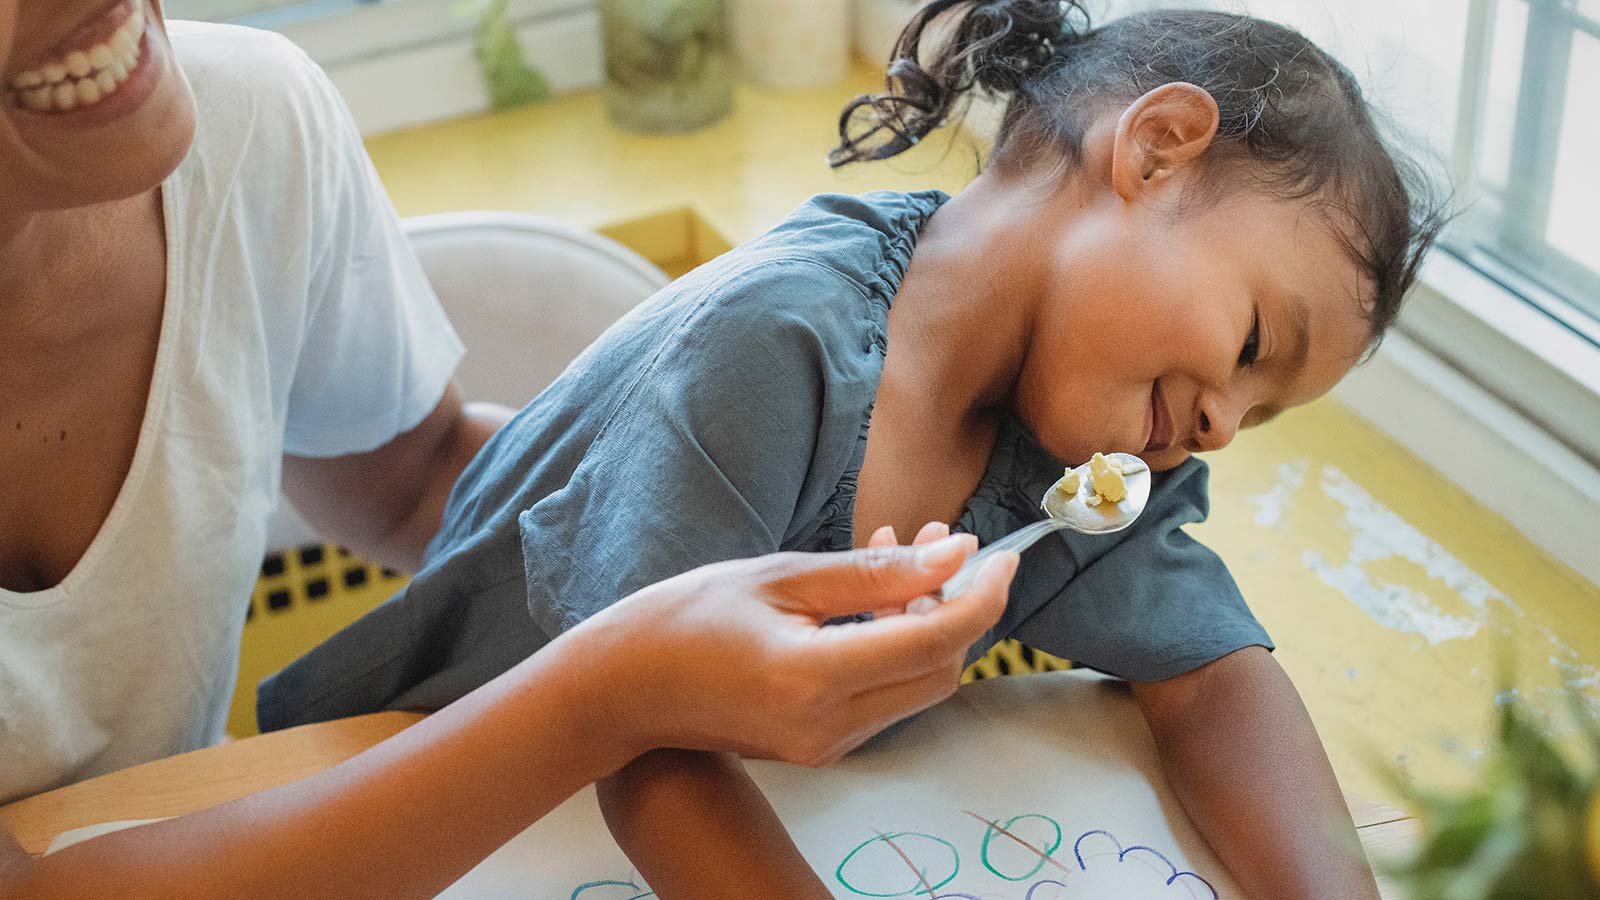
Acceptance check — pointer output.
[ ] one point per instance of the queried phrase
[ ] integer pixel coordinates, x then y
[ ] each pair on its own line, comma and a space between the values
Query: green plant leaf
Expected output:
506, 73
1519, 834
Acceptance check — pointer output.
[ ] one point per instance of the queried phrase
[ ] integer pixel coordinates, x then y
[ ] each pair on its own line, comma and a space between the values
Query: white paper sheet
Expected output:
1062, 762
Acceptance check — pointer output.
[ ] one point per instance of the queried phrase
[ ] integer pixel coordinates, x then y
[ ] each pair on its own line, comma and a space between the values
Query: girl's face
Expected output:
1162, 333
96, 108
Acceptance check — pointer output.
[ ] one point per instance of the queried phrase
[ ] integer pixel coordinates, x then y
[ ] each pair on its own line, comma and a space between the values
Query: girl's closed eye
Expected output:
1252, 343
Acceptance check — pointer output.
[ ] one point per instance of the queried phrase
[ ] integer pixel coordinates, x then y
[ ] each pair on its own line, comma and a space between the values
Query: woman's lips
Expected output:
1160, 421
95, 29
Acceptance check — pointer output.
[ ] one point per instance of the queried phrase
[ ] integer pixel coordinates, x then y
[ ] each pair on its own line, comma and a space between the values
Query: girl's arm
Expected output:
696, 826
1241, 753
726, 657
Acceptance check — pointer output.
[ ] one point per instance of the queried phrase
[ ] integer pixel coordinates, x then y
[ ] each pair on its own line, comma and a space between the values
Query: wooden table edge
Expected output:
190, 782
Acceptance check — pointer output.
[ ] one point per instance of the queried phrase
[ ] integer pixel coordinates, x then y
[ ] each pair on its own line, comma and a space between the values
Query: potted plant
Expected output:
1530, 830
507, 76
668, 63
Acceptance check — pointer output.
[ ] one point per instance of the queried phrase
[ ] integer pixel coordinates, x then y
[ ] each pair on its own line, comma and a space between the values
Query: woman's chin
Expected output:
76, 168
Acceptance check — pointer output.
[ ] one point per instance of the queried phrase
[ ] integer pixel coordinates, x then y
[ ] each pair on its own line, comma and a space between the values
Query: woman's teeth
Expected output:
83, 77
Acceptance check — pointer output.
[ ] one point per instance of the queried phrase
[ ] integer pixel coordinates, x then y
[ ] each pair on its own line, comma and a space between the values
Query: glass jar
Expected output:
668, 64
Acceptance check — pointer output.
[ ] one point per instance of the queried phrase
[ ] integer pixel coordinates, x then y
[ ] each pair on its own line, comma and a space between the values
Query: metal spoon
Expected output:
1064, 511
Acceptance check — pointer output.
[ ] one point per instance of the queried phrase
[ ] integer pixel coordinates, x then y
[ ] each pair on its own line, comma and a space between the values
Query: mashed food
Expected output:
1070, 482
1105, 476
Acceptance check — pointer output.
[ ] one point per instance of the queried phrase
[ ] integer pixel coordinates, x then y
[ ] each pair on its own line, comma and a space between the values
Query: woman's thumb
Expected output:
836, 584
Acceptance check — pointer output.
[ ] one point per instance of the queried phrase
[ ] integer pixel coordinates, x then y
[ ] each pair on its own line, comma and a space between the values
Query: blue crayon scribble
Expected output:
1122, 853
1039, 884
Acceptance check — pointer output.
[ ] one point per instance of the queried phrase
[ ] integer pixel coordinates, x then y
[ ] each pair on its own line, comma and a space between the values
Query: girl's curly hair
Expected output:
1290, 110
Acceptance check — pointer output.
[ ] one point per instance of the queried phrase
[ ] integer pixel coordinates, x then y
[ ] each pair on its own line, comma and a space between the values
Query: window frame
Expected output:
1493, 316
1510, 249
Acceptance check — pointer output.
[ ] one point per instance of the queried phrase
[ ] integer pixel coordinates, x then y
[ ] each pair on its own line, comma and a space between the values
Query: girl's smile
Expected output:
1160, 434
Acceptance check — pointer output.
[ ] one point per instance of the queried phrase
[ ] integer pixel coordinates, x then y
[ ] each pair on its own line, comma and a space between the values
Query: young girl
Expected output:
1188, 224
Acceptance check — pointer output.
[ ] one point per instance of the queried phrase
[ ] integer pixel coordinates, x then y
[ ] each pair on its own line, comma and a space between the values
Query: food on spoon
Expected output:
1105, 476
1069, 483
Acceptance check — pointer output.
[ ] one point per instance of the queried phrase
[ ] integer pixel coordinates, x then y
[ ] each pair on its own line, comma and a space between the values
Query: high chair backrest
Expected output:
525, 293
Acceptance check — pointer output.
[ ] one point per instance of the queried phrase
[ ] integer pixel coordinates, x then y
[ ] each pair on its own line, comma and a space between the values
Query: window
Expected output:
1526, 139
1497, 90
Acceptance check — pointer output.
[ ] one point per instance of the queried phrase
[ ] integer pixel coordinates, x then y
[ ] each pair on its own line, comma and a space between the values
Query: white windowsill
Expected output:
405, 64
1529, 359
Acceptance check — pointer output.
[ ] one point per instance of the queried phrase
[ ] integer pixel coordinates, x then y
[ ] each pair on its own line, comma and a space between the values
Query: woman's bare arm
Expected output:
728, 657
403, 819
415, 472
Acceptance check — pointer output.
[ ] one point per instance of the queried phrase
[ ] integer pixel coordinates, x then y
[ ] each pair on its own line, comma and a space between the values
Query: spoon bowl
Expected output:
1103, 517
1068, 510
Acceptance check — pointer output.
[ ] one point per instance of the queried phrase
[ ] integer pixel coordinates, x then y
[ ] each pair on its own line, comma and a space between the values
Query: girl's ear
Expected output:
1159, 134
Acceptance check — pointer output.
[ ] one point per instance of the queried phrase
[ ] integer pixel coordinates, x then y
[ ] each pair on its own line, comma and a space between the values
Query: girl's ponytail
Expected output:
1002, 46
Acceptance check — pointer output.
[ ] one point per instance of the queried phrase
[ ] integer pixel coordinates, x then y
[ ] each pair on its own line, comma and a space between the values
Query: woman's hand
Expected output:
735, 656
797, 691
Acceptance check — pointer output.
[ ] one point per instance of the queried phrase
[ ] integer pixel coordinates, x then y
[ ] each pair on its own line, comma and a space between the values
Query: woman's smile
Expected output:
99, 66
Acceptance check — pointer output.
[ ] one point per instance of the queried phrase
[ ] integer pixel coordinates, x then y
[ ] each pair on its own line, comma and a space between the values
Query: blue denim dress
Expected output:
726, 417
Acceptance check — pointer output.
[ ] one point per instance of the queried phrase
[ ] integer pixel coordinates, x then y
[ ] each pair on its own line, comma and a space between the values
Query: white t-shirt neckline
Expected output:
155, 406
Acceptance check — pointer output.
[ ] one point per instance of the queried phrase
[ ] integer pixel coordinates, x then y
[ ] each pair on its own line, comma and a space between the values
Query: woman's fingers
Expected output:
877, 709
840, 584
883, 537
746, 636
897, 648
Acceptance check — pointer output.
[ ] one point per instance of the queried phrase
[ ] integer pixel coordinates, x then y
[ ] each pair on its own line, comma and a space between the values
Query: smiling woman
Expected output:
156, 374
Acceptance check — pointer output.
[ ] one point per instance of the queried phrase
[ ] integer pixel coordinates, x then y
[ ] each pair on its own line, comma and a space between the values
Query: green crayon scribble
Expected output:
999, 828
921, 874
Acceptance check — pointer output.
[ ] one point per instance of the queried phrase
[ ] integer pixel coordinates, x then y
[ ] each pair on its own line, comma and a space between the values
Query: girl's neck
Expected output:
958, 332
961, 322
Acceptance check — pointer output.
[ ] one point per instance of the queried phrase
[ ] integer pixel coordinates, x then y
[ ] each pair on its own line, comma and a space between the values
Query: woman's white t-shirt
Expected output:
297, 321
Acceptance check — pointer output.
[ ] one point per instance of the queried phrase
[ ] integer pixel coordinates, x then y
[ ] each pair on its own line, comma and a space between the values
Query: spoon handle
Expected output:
1017, 541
